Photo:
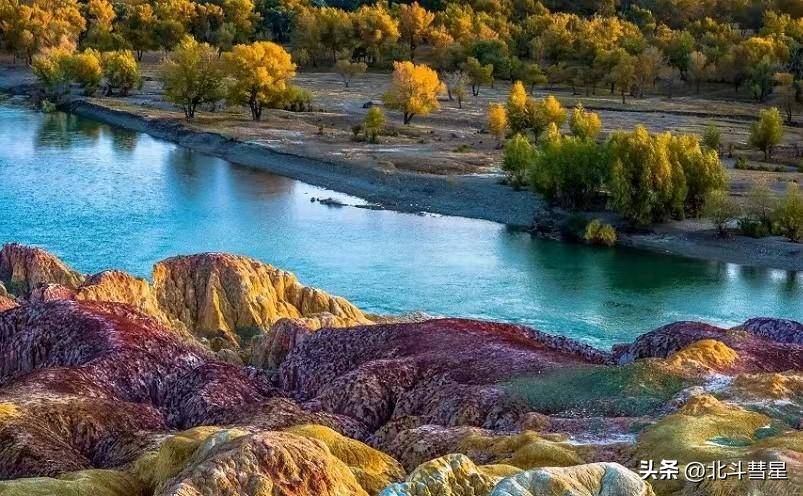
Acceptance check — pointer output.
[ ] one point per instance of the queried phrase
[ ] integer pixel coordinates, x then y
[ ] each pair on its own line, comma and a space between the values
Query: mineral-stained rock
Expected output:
779, 386
26, 267
761, 346
50, 292
121, 287
441, 371
89, 482
595, 479
450, 475
781, 330
7, 303
706, 354
269, 350
220, 292
264, 463
526, 450
373, 469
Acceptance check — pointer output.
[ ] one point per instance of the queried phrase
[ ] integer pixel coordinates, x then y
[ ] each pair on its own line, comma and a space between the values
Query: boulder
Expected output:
25, 267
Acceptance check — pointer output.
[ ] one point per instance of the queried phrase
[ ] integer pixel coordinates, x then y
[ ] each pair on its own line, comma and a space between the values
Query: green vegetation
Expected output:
721, 210
631, 390
599, 233
191, 75
373, 124
767, 132
789, 214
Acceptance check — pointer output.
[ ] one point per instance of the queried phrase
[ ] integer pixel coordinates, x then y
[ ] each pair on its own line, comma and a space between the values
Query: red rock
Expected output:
50, 292
7, 303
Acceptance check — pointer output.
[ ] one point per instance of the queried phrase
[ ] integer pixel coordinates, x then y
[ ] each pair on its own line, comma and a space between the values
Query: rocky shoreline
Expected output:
473, 196
223, 375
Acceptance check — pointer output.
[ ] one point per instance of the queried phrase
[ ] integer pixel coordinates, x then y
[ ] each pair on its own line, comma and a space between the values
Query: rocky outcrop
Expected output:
120, 287
781, 330
7, 303
450, 475
90, 482
23, 268
264, 463
582, 480
268, 350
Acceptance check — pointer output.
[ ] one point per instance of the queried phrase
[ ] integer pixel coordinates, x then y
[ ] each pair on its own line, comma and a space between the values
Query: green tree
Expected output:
85, 69
789, 214
767, 132
712, 137
191, 75
720, 209
516, 159
348, 70
121, 71
584, 124
477, 74
701, 169
373, 124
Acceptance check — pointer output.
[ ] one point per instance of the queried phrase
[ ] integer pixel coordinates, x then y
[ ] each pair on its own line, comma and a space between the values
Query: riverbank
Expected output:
479, 196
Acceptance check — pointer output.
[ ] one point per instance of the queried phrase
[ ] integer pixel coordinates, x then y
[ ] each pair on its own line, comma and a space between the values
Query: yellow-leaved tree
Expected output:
497, 121
259, 75
191, 75
414, 90
414, 22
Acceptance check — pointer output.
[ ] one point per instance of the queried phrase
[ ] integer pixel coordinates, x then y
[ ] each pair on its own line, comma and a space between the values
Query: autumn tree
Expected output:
698, 69
373, 123
701, 169
721, 210
456, 86
767, 132
516, 159
517, 108
623, 74
376, 29
584, 124
786, 88
348, 70
545, 112
414, 90
100, 16
51, 68
648, 68
477, 74
30, 26
497, 121
191, 75
259, 74
414, 24
138, 28
85, 69
789, 213
121, 72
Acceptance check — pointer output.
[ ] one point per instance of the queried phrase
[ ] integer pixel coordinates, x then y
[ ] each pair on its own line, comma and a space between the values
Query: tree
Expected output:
569, 171
545, 112
121, 71
531, 75
516, 159
497, 121
192, 75
477, 73
767, 132
259, 74
786, 88
333, 28
376, 29
648, 67
700, 167
517, 114
720, 209
584, 124
373, 124
414, 23
759, 210
139, 28
789, 213
698, 69
414, 90
85, 68
29, 26
623, 74
456, 87
348, 70
712, 137
599, 233
100, 16
51, 67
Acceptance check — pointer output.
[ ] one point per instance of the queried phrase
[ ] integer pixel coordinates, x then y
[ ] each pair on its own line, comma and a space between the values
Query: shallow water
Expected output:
106, 198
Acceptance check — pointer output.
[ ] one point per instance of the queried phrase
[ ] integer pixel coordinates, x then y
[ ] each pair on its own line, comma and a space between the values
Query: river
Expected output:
107, 198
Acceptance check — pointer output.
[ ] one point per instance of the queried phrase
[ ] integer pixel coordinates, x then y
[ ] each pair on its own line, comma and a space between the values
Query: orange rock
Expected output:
120, 287
26, 267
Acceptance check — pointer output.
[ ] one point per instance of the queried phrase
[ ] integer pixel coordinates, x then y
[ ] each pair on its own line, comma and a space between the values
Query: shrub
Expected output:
711, 137
497, 121
599, 233
51, 67
789, 214
121, 70
767, 132
516, 159
701, 169
85, 69
348, 70
585, 124
741, 163
373, 123
720, 209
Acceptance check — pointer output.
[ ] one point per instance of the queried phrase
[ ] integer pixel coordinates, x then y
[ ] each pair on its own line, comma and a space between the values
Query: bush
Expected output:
516, 159
711, 137
585, 124
701, 169
599, 233
85, 69
767, 132
789, 214
121, 70
51, 67
720, 209
740, 164
373, 123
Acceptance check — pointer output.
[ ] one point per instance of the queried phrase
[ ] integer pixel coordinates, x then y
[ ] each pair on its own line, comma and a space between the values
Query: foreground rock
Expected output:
107, 398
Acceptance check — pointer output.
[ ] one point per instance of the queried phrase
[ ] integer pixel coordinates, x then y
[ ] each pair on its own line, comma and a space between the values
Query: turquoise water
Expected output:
105, 198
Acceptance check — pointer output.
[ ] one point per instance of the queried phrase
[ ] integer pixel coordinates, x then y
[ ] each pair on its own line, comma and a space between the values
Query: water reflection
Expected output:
104, 198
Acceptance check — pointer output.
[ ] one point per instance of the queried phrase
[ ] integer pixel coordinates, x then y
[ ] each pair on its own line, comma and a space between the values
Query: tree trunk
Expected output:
623, 97
408, 117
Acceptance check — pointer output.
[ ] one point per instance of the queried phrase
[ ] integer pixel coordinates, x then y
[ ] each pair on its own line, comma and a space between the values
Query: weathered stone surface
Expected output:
781, 330
442, 371
7, 303
120, 287
264, 463
596, 479
25, 267
50, 292
450, 475
86, 482
269, 350
220, 292
706, 354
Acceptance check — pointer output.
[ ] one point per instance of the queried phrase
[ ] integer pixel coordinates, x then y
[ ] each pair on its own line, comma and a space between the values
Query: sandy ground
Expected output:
445, 162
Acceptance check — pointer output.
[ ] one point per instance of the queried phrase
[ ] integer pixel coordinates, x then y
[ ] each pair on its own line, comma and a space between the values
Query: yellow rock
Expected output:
85, 482
373, 469
450, 475
8, 411
769, 385
499, 470
707, 354
526, 450
121, 287
583, 480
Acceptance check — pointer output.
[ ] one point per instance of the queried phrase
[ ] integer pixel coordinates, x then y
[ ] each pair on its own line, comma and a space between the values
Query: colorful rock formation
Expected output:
106, 397
24, 268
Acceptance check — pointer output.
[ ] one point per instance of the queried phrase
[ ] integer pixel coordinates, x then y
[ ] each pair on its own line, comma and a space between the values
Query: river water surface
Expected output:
106, 198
